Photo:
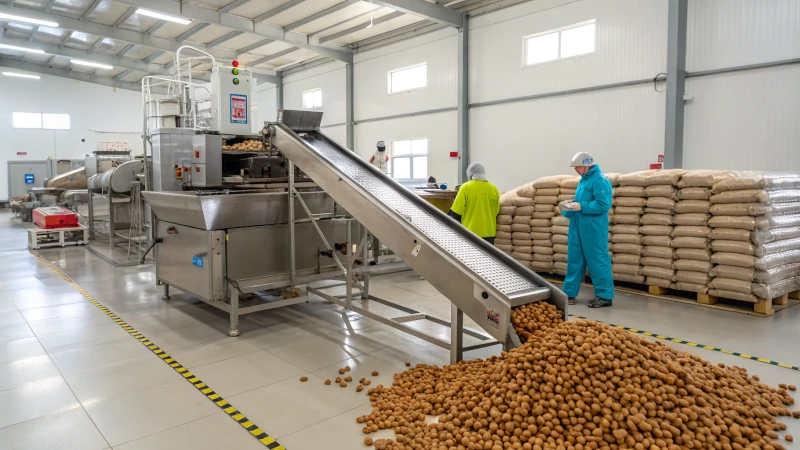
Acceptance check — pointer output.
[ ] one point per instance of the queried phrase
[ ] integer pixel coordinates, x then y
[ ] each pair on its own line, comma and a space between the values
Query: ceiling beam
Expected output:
96, 44
188, 33
124, 74
49, 5
91, 8
120, 34
320, 14
225, 38
273, 56
154, 56
155, 27
426, 10
126, 50
234, 22
124, 17
362, 26
33, 33
231, 6
98, 57
366, 13
66, 73
275, 11
252, 47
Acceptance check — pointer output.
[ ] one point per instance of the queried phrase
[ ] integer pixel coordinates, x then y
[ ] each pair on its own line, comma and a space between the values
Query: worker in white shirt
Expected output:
380, 159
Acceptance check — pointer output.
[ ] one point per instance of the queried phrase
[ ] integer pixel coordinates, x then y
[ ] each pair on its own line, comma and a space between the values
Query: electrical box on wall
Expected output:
232, 100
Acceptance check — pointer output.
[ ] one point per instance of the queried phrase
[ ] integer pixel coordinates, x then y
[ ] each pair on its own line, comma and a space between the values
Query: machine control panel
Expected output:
231, 99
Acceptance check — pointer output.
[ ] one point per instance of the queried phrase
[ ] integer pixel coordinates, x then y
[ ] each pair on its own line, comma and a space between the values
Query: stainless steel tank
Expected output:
117, 180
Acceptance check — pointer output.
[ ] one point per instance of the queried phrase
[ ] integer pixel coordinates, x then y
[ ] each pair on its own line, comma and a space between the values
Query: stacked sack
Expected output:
657, 227
691, 235
756, 246
504, 220
520, 225
545, 209
627, 242
559, 225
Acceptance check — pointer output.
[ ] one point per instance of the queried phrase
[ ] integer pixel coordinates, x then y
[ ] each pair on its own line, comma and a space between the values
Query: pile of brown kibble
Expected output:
534, 319
579, 385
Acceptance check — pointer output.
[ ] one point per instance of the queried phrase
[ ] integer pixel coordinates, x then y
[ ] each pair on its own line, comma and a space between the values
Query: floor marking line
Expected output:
692, 344
265, 439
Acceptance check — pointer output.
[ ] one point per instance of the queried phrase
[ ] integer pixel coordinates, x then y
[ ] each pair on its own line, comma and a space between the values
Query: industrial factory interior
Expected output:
399, 224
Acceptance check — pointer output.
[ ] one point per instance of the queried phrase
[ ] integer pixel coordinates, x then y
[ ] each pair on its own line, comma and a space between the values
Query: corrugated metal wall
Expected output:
743, 120
622, 127
519, 142
630, 45
371, 79
329, 77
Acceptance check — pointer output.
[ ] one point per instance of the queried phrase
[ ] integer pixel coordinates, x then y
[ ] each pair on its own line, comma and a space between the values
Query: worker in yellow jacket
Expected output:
477, 204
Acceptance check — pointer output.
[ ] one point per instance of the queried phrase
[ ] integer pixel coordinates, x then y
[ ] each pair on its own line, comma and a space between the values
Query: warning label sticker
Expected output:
493, 317
238, 108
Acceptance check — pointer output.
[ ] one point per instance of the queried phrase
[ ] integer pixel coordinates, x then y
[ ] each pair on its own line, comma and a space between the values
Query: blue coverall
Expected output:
588, 236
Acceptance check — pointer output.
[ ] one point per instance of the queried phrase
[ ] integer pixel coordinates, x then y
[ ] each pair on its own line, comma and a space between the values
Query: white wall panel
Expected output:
92, 108
630, 45
726, 33
329, 77
744, 120
371, 90
266, 106
438, 128
518, 142
337, 133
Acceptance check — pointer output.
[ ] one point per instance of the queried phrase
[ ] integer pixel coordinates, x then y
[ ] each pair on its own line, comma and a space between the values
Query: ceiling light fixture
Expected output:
167, 17
21, 49
92, 64
21, 75
14, 18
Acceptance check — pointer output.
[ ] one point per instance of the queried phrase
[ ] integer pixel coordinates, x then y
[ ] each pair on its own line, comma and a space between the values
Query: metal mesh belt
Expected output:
495, 272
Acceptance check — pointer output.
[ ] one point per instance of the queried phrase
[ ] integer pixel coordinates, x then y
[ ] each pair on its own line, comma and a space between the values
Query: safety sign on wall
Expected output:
238, 108
29, 178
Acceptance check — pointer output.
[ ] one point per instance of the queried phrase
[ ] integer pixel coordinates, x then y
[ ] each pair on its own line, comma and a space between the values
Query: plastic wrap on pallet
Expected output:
789, 220
775, 260
776, 247
757, 196
777, 273
776, 289
774, 234
758, 180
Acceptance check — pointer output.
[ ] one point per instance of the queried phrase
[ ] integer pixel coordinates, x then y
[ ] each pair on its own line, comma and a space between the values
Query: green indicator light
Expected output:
235, 71
235, 81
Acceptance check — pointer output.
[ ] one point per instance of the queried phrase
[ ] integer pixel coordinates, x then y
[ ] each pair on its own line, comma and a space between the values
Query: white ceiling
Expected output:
348, 23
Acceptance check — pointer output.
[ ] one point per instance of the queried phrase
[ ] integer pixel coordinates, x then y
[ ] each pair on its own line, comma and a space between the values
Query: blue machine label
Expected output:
29, 178
197, 261
238, 108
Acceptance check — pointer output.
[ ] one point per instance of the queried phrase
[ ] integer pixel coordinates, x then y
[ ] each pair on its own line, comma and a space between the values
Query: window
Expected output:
410, 159
27, 120
55, 121
312, 99
408, 78
568, 42
41, 121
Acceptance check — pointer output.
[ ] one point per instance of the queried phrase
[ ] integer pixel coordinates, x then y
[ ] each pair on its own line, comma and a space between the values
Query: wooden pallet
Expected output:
59, 237
760, 308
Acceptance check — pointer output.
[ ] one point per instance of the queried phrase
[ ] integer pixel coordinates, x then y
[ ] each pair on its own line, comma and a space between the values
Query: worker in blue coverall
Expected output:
588, 233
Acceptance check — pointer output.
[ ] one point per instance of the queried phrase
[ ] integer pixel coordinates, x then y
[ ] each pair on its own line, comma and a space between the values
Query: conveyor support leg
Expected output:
234, 331
456, 334
166, 292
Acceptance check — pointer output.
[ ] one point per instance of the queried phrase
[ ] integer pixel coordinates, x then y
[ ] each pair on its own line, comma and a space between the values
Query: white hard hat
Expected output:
476, 171
582, 159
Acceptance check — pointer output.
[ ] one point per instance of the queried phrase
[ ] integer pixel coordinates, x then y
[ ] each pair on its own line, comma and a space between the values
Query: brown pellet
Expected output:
342, 371
303, 379
792, 387
338, 380
348, 378
360, 388
368, 441
375, 373
579, 384
343, 384
327, 382
408, 363
789, 438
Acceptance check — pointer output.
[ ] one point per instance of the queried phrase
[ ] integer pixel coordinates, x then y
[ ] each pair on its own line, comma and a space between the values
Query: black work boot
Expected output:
570, 301
598, 302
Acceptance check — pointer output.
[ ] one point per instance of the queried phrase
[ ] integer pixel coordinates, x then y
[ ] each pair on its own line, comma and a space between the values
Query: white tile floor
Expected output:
71, 379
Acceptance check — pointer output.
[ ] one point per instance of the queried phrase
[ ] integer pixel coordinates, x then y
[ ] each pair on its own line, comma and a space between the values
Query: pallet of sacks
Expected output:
755, 218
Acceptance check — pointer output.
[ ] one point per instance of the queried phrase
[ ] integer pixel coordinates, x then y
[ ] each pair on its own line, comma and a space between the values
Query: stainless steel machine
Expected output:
248, 227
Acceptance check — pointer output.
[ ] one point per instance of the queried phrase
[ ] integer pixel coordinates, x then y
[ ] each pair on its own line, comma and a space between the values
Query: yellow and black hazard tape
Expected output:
267, 440
696, 345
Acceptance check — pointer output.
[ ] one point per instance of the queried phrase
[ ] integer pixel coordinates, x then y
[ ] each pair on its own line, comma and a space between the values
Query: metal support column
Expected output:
292, 218
676, 83
463, 101
279, 92
165, 295
234, 312
349, 116
456, 334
